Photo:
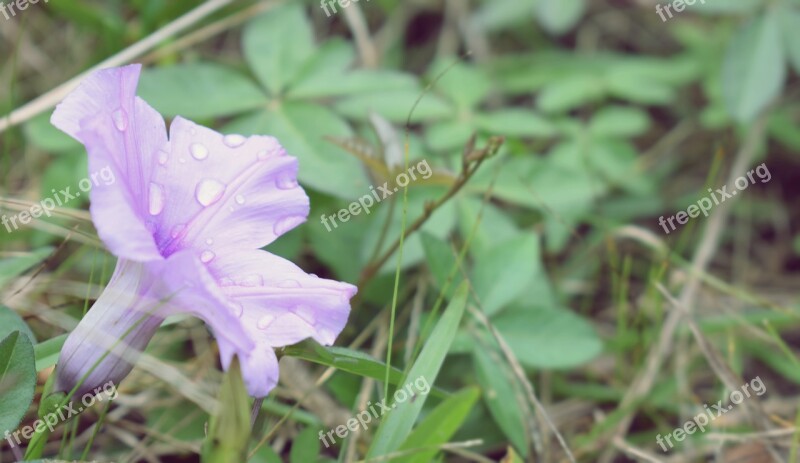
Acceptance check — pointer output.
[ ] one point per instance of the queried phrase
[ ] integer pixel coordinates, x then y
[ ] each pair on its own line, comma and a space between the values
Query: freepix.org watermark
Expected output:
326, 4
704, 204
10, 9
364, 417
58, 198
679, 6
384, 191
49, 421
700, 421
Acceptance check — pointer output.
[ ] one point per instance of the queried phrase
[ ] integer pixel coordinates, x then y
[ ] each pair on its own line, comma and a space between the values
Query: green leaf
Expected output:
559, 16
397, 425
754, 69
351, 361
616, 161
505, 271
305, 447
500, 395
570, 93
439, 426
790, 30
619, 121
441, 259
783, 127
15, 266
728, 6
265, 454
334, 248
354, 83
500, 14
464, 85
10, 322
638, 87
17, 379
546, 337
395, 106
447, 135
514, 122
42, 134
229, 429
300, 127
68, 168
333, 57
277, 44
199, 90
439, 225
542, 184
47, 352
495, 224
348, 360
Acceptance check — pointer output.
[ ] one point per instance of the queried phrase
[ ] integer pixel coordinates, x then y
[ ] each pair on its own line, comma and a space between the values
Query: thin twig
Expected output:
640, 454
51, 98
367, 50
516, 367
644, 381
428, 211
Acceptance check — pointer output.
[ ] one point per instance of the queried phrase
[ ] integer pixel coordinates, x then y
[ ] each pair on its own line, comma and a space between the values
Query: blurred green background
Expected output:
611, 118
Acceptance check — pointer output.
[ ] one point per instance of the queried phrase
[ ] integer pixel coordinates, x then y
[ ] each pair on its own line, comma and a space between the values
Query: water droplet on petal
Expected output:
226, 281
156, 203
289, 284
305, 314
263, 155
287, 223
265, 321
163, 157
233, 140
120, 118
251, 281
207, 256
178, 230
286, 182
239, 199
182, 160
198, 151
238, 309
209, 241
209, 191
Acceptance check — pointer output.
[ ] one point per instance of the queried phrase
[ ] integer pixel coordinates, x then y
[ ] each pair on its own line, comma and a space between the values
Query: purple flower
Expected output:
186, 218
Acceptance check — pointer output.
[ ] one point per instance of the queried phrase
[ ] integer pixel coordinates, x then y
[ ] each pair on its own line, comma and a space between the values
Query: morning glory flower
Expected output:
186, 218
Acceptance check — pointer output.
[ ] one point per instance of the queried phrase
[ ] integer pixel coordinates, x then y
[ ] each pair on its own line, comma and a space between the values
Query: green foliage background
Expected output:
611, 118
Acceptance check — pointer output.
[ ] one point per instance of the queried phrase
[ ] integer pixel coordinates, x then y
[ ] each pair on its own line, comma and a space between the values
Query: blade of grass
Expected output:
397, 425
440, 425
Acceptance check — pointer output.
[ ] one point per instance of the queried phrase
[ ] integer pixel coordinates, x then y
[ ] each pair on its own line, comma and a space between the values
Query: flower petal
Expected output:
131, 308
281, 304
121, 322
191, 289
259, 367
218, 193
121, 134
